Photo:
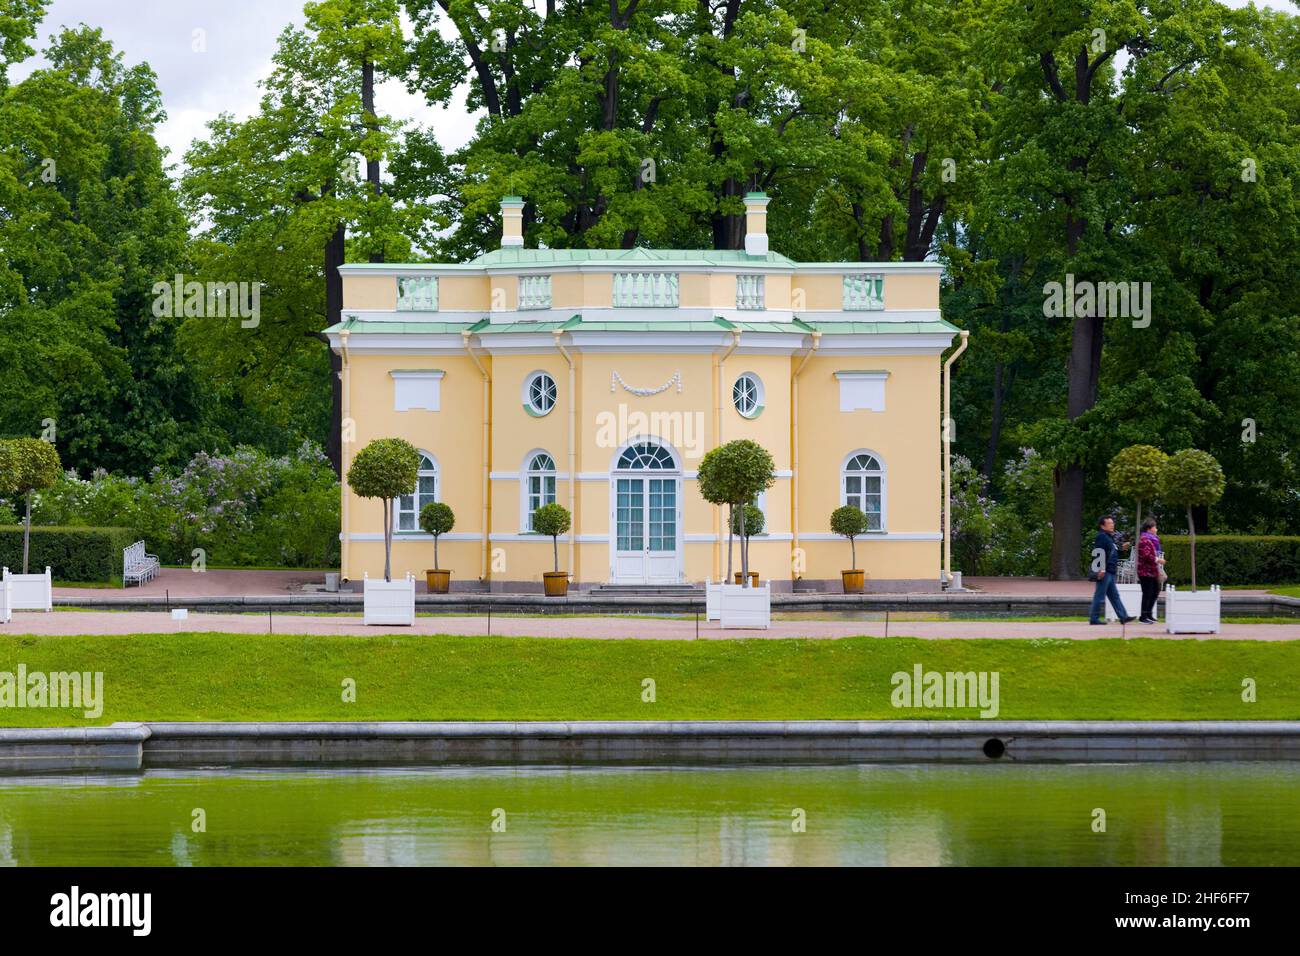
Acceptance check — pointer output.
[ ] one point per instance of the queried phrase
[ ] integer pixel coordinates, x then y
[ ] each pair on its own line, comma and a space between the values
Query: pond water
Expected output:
1234, 814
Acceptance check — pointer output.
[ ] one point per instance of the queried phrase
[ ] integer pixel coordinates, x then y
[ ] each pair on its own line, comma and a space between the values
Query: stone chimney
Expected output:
512, 221
756, 224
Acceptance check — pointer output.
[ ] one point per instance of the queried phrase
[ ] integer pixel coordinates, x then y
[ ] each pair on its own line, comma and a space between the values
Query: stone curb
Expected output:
136, 746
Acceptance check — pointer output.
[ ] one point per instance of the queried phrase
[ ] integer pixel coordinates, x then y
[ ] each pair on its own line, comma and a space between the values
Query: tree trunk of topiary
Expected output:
744, 550
436, 564
853, 552
555, 551
1137, 535
27, 531
388, 539
1191, 540
731, 517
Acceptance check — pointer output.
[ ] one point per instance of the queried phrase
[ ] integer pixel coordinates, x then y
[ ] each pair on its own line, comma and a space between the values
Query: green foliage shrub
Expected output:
1233, 559
72, 554
244, 509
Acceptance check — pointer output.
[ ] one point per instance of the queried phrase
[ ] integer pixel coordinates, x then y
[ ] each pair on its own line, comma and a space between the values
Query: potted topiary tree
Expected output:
735, 474
386, 469
553, 520
1192, 478
747, 522
1135, 473
850, 521
29, 465
437, 519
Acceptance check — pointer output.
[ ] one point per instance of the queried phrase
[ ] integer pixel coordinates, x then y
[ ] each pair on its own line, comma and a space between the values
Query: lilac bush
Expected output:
244, 508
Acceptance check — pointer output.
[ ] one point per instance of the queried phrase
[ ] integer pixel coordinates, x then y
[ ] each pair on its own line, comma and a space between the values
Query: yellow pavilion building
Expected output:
599, 378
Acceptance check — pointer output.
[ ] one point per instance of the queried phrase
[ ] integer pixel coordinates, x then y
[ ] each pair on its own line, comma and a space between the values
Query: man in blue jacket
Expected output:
1104, 567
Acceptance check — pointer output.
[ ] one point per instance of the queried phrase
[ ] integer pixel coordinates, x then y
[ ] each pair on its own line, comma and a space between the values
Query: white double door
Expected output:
646, 520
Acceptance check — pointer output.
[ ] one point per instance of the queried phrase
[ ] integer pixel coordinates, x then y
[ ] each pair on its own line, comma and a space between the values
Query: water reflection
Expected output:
873, 815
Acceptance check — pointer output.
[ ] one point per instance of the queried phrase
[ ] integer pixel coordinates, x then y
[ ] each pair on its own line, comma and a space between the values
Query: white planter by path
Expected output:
1131, 595
1192, 612
739, 606
712, 596
389, 602
30, 592
6, 613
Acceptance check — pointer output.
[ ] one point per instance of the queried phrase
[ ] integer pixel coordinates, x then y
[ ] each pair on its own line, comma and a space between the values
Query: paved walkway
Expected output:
182, 583
157, 622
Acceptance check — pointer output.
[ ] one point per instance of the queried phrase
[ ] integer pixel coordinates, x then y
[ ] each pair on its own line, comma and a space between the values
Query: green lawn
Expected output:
269, 677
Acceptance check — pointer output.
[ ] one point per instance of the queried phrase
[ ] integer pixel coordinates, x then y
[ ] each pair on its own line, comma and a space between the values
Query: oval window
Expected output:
539, 394
747, 395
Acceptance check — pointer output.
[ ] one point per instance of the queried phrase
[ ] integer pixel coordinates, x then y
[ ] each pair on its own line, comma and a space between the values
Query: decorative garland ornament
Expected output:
615, 380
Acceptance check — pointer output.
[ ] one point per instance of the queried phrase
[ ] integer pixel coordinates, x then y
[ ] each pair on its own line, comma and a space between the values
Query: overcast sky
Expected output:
240, 37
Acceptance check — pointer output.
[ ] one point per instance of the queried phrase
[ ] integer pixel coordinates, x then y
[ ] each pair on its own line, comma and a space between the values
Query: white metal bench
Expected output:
138, 565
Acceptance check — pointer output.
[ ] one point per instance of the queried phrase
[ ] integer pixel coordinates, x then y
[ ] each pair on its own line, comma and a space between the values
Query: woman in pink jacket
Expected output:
1150, 558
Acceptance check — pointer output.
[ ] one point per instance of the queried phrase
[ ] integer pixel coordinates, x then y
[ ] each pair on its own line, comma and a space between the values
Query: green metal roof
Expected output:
796, 327
487, 327
519, 256
882, 328
362, 326
652, 326
577, 324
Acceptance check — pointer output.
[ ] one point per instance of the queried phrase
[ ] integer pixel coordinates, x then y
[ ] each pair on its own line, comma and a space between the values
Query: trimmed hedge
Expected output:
74, 554
1233, 559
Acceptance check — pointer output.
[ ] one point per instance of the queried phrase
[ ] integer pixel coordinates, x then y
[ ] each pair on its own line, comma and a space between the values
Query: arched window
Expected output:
646, 456
864, 487
426, 491
540, 485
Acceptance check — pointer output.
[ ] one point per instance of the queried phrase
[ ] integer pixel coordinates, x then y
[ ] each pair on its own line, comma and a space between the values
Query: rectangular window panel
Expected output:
417, 294
630, 505
406, 513
872, 508
663, 514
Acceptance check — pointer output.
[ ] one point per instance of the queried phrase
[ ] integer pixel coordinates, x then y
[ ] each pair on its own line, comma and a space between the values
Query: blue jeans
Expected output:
1106, 589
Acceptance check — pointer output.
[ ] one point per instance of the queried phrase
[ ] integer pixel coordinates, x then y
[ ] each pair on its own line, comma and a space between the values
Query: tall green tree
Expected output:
89, 221
279, 194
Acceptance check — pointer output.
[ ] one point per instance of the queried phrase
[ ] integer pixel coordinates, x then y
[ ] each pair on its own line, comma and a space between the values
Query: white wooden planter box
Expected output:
30, 592
712, 598
389, 602
1131, 595
6, 613
1192, 612
739, 606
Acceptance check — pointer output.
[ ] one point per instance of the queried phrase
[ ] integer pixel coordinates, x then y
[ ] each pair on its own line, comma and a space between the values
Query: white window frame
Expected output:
862, 390
859, 498
526, 395
646, 290
417, 389
534, 292
864, 292
423, 294
751, 291
760, 395
526, 476
417, 500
